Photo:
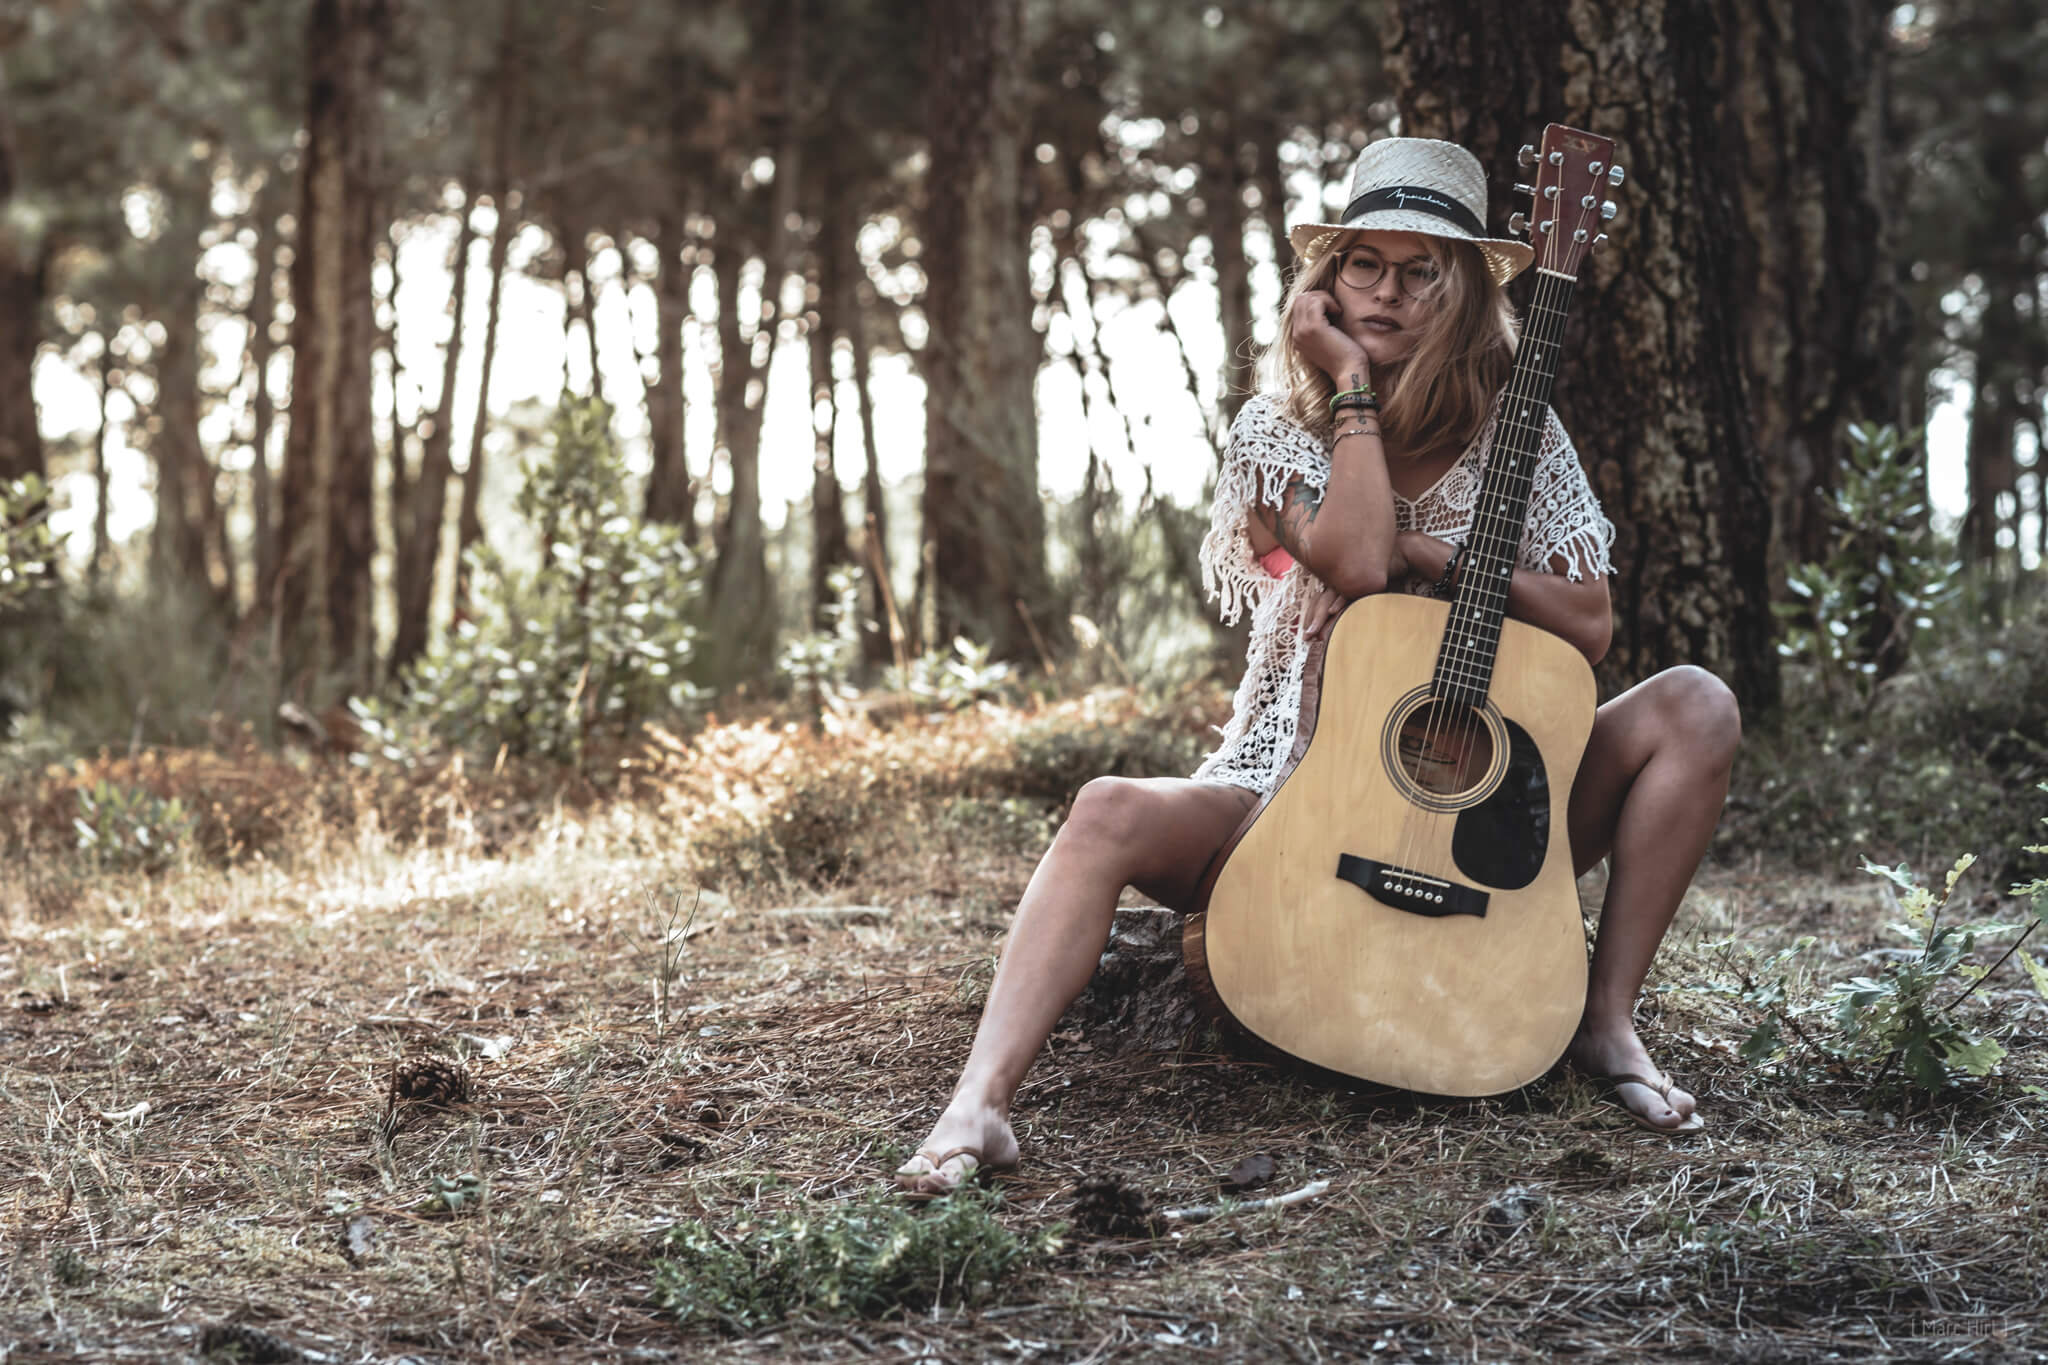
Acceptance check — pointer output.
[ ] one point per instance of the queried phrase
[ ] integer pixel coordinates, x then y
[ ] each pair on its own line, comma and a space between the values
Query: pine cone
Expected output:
1111, 1207
235, 1341
427, 1079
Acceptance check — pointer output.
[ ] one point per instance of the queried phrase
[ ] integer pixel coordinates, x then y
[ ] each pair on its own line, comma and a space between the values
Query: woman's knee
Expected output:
1700, 707
1108, 812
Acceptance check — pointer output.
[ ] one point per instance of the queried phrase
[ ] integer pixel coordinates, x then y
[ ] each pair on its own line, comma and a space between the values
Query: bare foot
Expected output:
1611, 1052
967, 1136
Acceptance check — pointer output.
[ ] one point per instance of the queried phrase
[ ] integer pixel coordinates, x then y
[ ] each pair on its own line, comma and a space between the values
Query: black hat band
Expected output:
1416, 199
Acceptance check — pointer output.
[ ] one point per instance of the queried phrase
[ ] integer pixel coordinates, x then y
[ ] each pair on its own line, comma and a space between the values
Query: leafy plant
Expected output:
130, 829
594, 641
961, 678
1905, 1016
856, 1259
1859, 609
819, 666
28, 547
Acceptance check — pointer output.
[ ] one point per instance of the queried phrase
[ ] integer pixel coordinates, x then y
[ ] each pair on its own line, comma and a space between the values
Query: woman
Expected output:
1356, 475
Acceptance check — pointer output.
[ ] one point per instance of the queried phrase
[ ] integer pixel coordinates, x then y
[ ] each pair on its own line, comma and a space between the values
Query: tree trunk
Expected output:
742, 634
743, 621
102, 547
1223, 191
262, 316
327, 522
1654, 391
469, 528
830, 547
398, 453
983, 516
21, 311
426, 512
1805, 90
671, 499
185, 495
1267, 136
852, 310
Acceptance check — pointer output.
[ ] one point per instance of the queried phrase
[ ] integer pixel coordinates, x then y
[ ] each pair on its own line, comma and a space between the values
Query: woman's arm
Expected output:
1580, 611
1344, 530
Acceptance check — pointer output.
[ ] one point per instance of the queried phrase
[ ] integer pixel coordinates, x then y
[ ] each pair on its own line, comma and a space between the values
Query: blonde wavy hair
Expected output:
1441, 394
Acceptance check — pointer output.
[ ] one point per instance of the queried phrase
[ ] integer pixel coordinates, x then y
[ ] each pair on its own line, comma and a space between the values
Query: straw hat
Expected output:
1418, 184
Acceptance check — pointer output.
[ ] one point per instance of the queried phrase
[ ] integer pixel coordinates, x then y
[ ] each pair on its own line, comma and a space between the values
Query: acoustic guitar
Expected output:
1402, 907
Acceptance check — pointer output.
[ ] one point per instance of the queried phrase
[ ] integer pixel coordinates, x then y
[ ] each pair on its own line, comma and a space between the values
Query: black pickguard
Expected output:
1502, 840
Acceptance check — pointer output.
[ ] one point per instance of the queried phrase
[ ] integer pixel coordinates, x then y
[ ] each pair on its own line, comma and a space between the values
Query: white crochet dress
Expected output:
1267, 448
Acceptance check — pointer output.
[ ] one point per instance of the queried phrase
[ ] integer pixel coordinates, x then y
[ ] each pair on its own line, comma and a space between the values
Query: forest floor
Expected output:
201, 1155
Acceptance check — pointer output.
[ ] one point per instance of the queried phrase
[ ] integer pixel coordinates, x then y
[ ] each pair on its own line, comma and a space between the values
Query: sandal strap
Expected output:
1660, 1085
939, 1162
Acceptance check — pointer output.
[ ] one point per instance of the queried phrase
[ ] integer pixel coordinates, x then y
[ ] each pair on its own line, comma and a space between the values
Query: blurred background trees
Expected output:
276, 273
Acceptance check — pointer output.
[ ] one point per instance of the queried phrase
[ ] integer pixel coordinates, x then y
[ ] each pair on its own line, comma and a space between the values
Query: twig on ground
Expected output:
1202, 1213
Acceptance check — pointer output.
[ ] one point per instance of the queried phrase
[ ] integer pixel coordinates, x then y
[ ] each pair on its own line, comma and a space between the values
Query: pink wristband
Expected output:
1276, 561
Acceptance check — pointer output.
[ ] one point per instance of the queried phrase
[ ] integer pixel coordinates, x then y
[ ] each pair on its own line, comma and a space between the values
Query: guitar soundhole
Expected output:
1446, 748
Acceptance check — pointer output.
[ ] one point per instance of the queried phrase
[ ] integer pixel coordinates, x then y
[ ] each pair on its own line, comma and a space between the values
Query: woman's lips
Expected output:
1380, 324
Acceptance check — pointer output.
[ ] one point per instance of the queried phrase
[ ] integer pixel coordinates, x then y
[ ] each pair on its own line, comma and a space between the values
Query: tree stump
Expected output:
1138, 1000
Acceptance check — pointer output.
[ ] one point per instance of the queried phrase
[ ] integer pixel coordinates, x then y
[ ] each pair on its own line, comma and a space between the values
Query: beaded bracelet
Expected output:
1450, 573
1356, 404
1362, 391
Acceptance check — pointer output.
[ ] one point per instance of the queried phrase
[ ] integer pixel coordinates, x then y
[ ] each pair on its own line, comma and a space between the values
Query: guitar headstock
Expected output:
1574, 169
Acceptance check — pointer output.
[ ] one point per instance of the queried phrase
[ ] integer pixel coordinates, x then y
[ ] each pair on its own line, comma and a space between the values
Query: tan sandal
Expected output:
1661, 1086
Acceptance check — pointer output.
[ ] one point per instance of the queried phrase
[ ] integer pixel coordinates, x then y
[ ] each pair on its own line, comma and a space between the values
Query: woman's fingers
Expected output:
1319, 612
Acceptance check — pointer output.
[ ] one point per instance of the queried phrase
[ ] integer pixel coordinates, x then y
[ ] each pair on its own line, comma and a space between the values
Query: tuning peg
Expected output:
1525, 189
1518, 223
1526, 157
1607, 211
1599, 244
1614, 175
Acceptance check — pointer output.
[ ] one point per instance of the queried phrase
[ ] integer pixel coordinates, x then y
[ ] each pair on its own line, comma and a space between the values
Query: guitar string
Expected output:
1453, 719
1495, 529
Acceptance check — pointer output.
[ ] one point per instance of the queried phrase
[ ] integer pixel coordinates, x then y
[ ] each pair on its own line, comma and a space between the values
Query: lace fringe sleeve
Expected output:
1564, 516
1266, 451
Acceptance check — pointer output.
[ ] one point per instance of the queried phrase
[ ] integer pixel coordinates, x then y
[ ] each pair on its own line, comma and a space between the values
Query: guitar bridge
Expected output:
1414, 892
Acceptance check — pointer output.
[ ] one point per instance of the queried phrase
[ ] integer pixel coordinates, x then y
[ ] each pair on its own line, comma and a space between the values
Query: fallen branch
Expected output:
1202, 1213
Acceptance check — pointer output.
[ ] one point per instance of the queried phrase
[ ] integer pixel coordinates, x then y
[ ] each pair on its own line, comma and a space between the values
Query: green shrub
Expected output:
862, 1258
1859, 609
1903, 1020
128, 829
589, 644
28, 548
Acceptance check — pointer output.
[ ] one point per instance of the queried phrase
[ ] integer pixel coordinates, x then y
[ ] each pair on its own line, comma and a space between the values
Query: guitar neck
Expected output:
1464, 664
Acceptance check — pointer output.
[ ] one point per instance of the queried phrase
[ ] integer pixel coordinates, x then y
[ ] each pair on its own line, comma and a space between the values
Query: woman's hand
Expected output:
1313, 325
1320, 612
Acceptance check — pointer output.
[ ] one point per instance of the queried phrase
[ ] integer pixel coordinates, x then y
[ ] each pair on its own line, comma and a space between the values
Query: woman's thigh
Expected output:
1162, 831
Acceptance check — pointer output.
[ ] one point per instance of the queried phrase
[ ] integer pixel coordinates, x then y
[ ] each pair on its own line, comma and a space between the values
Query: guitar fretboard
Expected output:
1464, 663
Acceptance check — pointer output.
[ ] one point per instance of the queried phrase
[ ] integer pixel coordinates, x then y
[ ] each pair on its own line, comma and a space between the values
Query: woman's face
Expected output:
1388, 286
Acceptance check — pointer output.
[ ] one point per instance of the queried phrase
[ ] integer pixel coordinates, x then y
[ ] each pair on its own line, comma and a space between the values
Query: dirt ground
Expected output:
198, 1133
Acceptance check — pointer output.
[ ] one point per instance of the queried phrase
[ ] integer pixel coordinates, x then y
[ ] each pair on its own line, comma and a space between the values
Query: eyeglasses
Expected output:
1419, 279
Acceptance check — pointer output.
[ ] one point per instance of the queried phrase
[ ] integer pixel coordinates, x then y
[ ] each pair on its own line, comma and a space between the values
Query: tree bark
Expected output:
741, 635
1223, 192
262, 317
1655, 392
852, 311
469, 526
983, 516
426, 512
327, 522
671, 498
830, 545
21, 311
185, 494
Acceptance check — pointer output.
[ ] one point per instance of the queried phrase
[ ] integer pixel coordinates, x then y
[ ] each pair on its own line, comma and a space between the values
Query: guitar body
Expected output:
1402, 907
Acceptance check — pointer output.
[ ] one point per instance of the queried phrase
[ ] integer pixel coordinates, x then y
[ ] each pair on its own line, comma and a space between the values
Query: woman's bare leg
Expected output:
1156, 834
1649, 794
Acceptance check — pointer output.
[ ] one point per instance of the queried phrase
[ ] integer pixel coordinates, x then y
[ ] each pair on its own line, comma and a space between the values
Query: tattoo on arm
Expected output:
1299, 504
